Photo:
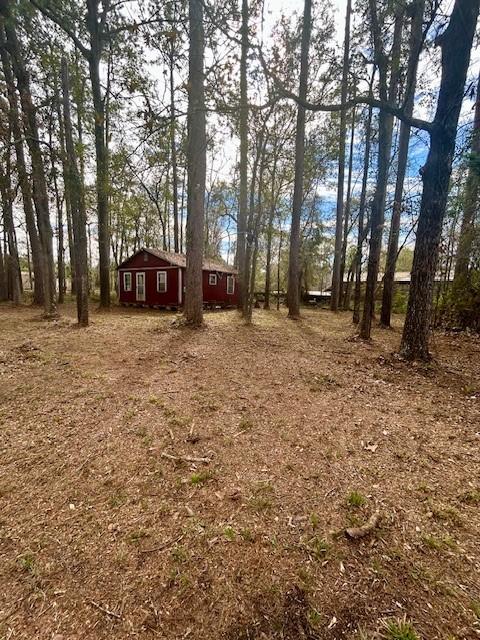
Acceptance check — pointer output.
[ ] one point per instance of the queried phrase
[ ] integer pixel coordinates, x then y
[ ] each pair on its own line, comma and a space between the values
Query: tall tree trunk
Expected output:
15, 124
243, 133
40, 193
59, 206
173, 147
385, 129
66, 193
95, 52
456, 43
197, 167
464, 250
255, 218
253, 221
3, 277
417, 10
293, 294
12, 261
336, 276
271, 217
361, 220
74, 186
346, 222
279, 256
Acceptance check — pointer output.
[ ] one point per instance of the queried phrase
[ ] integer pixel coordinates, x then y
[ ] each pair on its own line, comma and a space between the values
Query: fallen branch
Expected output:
164, 454
104, 610
364, 529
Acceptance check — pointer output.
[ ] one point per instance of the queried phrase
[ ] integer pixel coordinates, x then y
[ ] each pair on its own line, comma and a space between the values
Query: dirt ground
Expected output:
159, 482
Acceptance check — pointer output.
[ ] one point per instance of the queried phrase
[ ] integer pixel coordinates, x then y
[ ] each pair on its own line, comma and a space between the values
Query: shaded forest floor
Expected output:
304, 432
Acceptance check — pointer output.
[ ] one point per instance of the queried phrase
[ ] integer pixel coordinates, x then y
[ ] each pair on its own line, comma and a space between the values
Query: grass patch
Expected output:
27, 562
439, 543
399, 629
247, 535
158, 402
136, 536
445, 513
356, 499
471, 497
261, 500
318, 547
246, 424
200, 477
229, 533
314, 520
179, 554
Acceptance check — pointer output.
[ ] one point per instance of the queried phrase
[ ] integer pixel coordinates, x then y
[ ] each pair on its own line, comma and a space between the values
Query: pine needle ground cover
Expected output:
160, 482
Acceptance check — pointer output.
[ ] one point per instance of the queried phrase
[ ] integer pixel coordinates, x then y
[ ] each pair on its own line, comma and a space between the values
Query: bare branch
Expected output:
57, 20
394, 110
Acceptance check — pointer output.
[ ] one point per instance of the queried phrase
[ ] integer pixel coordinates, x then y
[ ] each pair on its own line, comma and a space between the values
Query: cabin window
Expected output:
212, 279
230, 285
127, 281
161, 281
145, 257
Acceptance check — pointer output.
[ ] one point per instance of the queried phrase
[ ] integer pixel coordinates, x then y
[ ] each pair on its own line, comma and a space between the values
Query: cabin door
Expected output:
140, 286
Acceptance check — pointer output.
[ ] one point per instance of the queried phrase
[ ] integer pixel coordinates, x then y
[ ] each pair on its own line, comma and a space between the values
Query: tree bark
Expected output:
3, 277
59, 204
346, 221
385, 129
271, 217
293, 295
25, 188
404, 138
94, 56
75, 188
464, 250
14, 284
197, 167
456, 44
243, 132
361, 220
40, 193
66, 195
173, 147
336, 276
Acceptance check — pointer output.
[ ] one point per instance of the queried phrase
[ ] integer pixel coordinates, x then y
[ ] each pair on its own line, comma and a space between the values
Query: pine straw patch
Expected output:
166, 483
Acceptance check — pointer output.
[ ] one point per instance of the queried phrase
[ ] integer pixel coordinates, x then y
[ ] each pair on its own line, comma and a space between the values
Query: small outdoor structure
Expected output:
155, 278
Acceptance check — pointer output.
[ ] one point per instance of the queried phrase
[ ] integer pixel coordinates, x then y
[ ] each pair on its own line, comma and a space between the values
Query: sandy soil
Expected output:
159, 482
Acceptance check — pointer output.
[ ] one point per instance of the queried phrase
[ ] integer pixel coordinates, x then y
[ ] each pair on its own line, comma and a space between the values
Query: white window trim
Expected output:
215, 279
230, 279
125, 274
143, 297
158, 282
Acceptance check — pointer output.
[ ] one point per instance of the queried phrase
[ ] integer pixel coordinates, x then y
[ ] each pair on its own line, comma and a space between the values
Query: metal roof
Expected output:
180, 260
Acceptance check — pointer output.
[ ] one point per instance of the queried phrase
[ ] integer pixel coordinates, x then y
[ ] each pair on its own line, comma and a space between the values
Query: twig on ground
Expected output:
170, 456
364, 529
104, 610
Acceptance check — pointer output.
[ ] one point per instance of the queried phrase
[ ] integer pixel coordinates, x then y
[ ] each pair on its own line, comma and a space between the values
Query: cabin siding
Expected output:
213, 294
217, 294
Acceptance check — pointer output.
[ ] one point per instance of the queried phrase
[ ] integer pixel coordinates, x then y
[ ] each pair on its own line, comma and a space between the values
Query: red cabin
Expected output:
155, 278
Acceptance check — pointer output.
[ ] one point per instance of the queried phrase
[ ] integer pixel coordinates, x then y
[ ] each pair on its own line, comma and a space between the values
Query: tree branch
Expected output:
394, 110
57, 20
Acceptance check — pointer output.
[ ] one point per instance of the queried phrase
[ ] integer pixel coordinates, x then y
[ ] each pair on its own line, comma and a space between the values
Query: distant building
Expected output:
155, 278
